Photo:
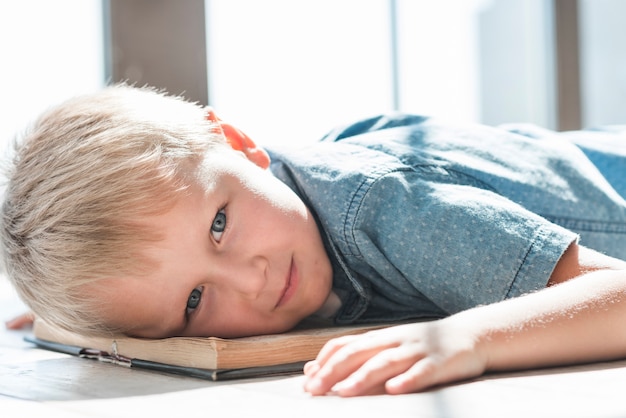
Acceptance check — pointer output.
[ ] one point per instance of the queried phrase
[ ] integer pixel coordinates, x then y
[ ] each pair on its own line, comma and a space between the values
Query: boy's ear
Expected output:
239, 141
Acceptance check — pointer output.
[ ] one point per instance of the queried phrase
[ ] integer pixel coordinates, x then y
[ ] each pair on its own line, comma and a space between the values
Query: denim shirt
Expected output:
423, 219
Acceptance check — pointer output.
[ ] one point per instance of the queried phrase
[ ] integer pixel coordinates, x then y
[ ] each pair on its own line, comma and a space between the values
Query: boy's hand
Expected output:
400, 359
20, 321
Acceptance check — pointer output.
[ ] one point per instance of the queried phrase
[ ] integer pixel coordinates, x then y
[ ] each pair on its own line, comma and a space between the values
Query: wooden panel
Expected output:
160, 43
567, 64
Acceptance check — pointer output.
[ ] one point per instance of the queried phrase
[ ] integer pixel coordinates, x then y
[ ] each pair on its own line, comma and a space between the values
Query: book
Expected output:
205, 357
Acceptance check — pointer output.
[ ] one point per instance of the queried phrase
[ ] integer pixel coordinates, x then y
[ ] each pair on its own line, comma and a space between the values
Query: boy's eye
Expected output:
194, 300
219, 225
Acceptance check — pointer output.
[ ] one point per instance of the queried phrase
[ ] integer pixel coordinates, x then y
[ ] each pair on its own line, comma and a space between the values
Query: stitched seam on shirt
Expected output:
521, 265
349, 236
588, 225
357, 202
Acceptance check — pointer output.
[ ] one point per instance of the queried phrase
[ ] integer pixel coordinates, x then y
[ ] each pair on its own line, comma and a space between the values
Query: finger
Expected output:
422, 375
335, 370
332, 346
379, 339
372, 390
311, 368
20, 321
342, 361
430, 372
373, 374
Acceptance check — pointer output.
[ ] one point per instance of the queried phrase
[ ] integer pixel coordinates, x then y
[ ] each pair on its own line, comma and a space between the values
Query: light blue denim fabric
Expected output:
425, 219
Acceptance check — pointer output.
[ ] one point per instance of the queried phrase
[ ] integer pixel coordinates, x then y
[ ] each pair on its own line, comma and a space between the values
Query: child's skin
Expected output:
243, 256
576, 321
240, 256
20, 321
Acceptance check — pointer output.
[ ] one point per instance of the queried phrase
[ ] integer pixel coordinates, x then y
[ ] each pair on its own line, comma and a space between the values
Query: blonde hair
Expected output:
79, 183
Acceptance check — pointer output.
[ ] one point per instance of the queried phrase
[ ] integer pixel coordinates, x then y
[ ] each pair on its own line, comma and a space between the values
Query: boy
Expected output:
130, 211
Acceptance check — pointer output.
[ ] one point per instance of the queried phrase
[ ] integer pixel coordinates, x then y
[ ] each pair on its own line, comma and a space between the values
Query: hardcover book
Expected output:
205, 357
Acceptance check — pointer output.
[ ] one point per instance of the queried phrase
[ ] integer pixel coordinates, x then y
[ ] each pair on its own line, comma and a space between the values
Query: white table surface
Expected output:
35, 382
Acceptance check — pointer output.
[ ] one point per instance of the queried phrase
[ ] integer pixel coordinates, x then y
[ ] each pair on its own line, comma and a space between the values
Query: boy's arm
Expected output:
577, 321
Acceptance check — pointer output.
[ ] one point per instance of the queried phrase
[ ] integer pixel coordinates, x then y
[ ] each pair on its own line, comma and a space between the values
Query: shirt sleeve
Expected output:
454, 243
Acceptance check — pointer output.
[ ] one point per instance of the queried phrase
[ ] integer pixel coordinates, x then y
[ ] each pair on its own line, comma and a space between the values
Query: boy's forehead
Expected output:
219, 161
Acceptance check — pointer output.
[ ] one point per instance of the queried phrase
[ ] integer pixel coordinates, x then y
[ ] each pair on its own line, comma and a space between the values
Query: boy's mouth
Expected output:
291, 285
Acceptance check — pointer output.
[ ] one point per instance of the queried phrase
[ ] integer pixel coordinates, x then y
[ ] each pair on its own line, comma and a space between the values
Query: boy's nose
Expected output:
246, 277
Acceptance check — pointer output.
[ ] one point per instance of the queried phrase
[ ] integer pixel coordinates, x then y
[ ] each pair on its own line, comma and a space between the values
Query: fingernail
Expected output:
311, 368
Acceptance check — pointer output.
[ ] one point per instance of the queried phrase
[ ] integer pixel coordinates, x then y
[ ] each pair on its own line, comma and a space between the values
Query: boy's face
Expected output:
241, 255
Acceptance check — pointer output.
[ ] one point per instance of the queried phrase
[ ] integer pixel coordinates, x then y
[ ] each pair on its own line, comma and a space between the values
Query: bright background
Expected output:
286, 71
